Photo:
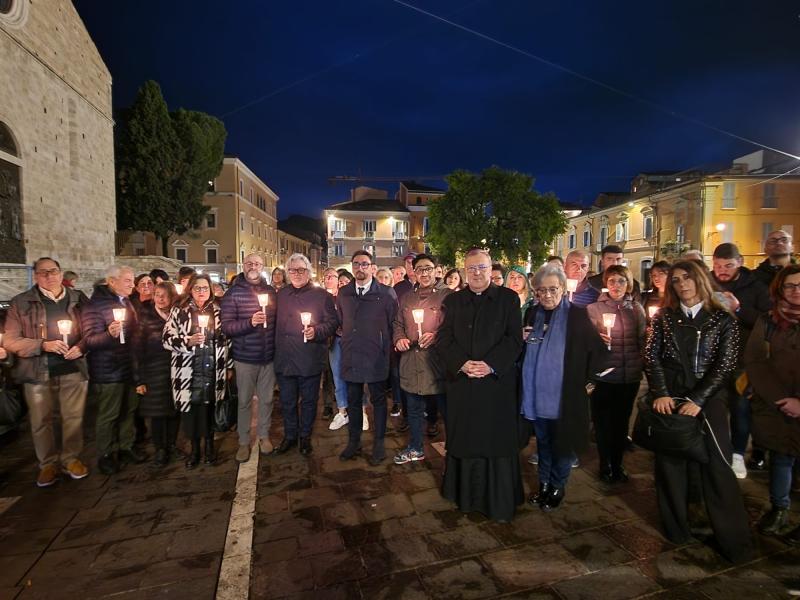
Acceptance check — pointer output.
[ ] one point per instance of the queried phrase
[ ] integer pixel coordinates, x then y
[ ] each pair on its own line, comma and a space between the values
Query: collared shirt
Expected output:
361, 290
691, 311
52, 296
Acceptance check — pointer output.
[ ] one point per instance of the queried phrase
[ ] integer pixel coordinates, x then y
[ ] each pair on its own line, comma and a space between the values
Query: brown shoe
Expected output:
76, 469
265, 446
47, 476
243, 453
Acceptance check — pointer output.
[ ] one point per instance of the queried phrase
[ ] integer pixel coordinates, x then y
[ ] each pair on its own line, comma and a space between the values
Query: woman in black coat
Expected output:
151, 370
563, 351
691, 353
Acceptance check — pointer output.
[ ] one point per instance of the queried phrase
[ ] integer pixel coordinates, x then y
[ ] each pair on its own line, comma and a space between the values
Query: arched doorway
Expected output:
12, 248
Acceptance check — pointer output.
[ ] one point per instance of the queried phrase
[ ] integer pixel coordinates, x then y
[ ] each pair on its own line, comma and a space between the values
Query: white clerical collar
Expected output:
691, 311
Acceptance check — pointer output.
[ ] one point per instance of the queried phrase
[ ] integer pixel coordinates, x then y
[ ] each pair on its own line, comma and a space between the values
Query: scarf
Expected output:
543, 367
786, 314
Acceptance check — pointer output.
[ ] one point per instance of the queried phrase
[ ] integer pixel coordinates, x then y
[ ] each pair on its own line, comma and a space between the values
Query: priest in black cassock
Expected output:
479, 344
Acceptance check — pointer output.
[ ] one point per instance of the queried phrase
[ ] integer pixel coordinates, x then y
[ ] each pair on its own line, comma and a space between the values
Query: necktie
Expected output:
361, 291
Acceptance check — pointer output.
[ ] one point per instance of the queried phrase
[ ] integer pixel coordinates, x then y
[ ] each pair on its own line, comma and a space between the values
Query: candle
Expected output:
652, 310
119, 315
202, 321
65, 328
263, 301
178, 289
604, 291
305, 319
608, 322
572, 286
419, 317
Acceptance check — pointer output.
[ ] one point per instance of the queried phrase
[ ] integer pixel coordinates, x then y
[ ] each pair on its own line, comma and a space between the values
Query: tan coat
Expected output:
420, 370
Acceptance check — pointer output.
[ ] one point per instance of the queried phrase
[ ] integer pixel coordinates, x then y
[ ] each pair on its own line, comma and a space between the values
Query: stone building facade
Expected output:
56, 141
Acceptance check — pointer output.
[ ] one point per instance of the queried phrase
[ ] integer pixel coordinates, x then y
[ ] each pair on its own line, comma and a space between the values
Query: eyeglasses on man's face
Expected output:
362, 265
48, 272
475, 269
548, 291
297, 271
423, 270
257, 265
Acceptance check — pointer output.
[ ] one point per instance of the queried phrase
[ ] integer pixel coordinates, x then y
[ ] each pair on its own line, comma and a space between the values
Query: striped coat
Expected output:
180, 326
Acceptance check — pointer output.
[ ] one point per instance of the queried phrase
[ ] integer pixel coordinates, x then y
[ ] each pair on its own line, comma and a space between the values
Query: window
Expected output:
211, 187
211, 220
604, 236
370, 248
252, 227
587, 237
680, 233
425, 225
572, 239
241, 187
426, 249
400, 230
622, 231
645, 269
211, 255
241, 256
419, 200
180, 254
398, 250
770, 198
251, 195
370, 226
729, 194
766, 229
241, 221
648, 227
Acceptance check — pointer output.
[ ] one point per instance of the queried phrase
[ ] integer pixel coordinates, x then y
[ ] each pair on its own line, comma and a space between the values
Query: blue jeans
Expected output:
355, 398
417, 406
780, 478
307, 388
740, 422
339, 384
398, 394
554, 469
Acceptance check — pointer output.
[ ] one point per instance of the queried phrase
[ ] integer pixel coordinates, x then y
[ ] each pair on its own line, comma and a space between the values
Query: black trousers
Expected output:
164, 431
612, 404
198, 422
721, 494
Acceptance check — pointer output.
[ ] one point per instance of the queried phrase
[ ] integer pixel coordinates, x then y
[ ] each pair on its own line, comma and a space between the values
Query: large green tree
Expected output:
164, 162
495, 209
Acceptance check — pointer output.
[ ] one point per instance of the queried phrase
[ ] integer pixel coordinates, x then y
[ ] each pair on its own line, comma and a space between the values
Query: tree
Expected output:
498, 210
164, 163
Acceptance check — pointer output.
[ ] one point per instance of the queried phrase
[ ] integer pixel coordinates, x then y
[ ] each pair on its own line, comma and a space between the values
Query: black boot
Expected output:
538, 497
552, 500
210, 454
619, 474
772, 522
285, 446
194, 456
352, 450
305, 446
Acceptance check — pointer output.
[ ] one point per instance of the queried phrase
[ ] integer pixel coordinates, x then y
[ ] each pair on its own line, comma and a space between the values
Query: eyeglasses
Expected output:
552, 291
362, 265
475, 269
253, 264
48, 272
617, 281
778, 240
297, 271
423, 270
201, 288
791, 287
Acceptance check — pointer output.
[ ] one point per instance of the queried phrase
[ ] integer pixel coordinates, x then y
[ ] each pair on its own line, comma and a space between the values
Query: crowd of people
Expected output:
500, 354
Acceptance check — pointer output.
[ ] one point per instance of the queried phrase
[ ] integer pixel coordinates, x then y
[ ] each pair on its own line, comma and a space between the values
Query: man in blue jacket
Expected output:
301, 350
253, 350
367, 311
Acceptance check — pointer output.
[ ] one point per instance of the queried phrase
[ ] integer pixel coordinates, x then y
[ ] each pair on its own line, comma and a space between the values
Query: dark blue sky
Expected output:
392, 92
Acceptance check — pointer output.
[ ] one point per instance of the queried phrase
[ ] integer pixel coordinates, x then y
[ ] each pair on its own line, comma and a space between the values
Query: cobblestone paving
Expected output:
327, 529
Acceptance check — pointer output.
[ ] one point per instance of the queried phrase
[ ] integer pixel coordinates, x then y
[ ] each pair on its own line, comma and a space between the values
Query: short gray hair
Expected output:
301, 257
114, 271
549, 271
477, 251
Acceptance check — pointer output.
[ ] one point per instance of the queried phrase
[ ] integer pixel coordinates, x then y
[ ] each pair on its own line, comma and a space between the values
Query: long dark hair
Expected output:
703, 286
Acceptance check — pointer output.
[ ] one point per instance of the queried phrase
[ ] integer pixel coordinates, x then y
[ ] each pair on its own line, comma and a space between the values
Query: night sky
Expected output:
313, 89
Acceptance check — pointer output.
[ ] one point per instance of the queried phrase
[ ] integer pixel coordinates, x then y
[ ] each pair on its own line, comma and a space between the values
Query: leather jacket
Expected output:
705, 368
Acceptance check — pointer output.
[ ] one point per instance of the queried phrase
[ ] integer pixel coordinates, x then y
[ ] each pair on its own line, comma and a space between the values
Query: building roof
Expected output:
413, 186
370, 204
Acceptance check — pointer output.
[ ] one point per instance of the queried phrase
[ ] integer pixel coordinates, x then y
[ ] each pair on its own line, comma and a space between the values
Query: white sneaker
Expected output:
339, 421
739, 469
365, 426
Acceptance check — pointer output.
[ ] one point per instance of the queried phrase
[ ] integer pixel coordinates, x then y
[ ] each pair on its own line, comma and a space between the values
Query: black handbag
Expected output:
679, 436
226, 412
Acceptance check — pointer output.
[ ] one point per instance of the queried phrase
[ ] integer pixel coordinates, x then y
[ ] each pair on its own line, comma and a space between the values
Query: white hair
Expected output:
115, 271
302, 258
549, 271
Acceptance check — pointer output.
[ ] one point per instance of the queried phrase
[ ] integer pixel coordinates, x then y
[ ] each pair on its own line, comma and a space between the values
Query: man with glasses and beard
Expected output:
253, 350
779, 248
479, 343
367, 310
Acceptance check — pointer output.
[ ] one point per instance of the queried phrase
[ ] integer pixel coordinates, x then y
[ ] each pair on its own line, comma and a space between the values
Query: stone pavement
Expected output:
327, 529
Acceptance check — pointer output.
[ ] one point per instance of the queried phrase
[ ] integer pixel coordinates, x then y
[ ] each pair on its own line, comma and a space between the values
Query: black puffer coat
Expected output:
711, 359
250, 344
627, 337
151, 364
109, 360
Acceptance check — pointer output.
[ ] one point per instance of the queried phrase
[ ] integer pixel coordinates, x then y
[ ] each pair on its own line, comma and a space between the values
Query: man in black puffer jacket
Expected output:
110, 370
253, 350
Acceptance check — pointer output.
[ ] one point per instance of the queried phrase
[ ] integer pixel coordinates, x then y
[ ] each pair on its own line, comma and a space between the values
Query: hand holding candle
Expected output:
305, 319
651, 311
608, 322
263, 302
419, 317
119, 316
178, 289
202, 322
572, 286
65, 328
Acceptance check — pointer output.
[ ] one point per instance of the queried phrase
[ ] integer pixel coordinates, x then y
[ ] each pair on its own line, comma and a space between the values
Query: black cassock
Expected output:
482, 470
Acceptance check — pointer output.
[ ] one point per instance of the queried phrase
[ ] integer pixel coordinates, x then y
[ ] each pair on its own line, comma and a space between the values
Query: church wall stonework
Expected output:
55, 98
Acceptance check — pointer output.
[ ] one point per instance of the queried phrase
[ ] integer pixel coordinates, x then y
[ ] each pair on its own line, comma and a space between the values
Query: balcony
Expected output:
369, 236
337, 235
400, 236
